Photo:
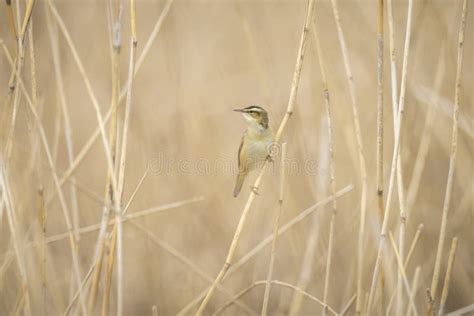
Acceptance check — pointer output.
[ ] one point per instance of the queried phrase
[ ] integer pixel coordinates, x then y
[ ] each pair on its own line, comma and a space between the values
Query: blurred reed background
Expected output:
194, 62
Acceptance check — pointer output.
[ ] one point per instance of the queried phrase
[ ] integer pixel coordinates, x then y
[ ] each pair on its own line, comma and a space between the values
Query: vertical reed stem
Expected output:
380, 47
360, 149
401, 107
277, 214
447, 279
452, 158
414, 287
331, 163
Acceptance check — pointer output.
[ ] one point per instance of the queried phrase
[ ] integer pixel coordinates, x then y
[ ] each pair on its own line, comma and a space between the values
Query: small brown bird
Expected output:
256, 143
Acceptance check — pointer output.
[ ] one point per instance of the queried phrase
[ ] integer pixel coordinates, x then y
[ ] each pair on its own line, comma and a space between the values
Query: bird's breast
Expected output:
258, 148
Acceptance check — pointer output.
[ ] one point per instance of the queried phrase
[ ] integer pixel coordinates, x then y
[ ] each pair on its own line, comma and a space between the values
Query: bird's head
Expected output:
255, 115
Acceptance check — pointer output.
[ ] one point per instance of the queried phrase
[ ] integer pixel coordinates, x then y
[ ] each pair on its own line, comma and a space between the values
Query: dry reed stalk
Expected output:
366, 301
17, 70
13, 223
2, 204
11, 19
348, 306
125, 218
148, 44
6, 262
183, 259
111, 194
275, 282
311, 241
111, 190
401, 108
138, 214
36, 156
81, 186
233, 245
73, 245
250, 254
380, 87
42, 220
462, 311
91, 140
79, 158
360, 151
18, 65
20, 302
276, 225
101, 239
447, 279
85, 78
236, 297
90, 92
62, 200
81, 287
289, 111
26, 19
393, 63
401, 237
414, 288
11, 81
405, 265
430, 310
66, 118
111, 182
118, 216
109, 246
400, 188
131, 216
452, 158
41, 254
95, 135
106, 247
11, 90
394, 94
402, 227
332, 176
55, 138
380, 46
404, 276
413, 244
117, 230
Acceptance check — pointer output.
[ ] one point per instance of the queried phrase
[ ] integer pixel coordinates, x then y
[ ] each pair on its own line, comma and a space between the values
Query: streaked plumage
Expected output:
255, 145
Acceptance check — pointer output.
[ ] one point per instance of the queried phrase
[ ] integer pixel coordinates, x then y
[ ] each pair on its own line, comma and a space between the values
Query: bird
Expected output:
256, 143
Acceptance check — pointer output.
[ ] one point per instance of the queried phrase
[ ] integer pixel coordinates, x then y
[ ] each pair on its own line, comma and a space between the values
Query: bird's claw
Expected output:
254, 189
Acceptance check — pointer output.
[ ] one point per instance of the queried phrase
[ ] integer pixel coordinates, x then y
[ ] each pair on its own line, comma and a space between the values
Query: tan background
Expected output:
210, 57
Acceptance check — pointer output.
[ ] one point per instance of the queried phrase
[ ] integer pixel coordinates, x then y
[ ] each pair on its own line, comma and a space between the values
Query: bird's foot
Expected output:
254, 189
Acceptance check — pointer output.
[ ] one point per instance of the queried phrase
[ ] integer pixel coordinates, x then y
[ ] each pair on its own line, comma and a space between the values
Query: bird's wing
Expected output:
240, 152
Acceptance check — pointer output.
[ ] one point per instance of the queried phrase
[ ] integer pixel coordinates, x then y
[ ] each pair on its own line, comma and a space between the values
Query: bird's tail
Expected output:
238, 183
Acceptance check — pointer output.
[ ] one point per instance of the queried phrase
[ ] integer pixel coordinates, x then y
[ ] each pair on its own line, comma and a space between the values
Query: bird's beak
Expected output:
239, 110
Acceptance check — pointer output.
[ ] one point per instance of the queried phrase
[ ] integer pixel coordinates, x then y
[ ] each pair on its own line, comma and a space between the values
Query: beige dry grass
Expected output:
163, 142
